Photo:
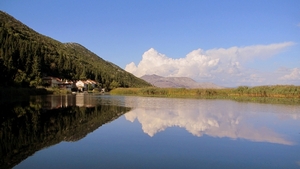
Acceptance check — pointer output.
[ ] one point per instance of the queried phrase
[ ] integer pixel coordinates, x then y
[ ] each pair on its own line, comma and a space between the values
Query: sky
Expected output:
229, 42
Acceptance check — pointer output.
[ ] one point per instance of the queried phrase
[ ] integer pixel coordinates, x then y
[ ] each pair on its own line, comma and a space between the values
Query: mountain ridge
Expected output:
26, 56
177, 82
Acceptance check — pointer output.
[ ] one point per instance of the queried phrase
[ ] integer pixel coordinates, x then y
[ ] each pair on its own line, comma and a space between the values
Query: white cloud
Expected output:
210, 65
293, 74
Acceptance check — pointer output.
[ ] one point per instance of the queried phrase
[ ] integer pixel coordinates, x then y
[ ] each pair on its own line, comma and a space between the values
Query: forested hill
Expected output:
26, 56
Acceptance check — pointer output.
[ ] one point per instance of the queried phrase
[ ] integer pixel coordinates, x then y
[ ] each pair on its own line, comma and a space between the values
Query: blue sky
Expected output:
228, 42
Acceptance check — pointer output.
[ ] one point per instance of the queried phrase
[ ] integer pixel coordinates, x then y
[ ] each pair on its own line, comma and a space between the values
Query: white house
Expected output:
81, 85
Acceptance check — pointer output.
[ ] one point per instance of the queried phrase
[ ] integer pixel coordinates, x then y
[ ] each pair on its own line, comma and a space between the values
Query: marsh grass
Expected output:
172, 92
279, 94
268, 91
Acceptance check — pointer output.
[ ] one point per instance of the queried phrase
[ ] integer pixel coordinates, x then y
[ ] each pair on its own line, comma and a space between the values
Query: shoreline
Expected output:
11, 94
260, 94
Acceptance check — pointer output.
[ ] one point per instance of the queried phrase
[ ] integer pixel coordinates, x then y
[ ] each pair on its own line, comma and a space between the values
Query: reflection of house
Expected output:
62, 101
51, 81
84, 100
58, 101
80, 100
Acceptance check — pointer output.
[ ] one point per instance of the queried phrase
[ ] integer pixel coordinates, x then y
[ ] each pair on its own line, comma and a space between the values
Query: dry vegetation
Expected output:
287, 94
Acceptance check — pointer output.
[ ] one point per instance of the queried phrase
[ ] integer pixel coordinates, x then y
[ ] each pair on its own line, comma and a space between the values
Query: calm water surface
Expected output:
102, 131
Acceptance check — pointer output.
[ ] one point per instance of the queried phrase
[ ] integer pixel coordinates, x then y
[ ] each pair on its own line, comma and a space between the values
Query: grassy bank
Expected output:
11, 91
281, 94
14, 94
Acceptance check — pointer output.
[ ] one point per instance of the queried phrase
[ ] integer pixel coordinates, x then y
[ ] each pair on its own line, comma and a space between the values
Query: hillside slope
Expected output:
177, 82
26, 56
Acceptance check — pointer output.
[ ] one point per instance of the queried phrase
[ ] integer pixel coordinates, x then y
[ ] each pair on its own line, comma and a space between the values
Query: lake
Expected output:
104, 131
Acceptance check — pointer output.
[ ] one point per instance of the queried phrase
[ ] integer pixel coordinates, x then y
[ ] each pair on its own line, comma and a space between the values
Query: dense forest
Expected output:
26, 56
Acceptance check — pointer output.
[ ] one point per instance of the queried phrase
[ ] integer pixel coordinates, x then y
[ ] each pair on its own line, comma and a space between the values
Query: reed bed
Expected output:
287, 94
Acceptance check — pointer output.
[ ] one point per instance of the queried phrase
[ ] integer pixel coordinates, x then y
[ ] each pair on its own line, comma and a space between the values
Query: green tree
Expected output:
114, 85
90, 87
83, 75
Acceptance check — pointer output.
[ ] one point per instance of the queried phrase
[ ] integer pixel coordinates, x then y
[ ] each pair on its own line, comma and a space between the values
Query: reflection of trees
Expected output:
26, 129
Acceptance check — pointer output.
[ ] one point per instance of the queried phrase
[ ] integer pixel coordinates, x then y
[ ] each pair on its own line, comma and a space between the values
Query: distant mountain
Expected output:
177, 82
26, 56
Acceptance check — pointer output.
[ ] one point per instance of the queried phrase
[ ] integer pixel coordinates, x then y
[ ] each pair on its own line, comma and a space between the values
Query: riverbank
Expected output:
16, 94
279, 94
13, 93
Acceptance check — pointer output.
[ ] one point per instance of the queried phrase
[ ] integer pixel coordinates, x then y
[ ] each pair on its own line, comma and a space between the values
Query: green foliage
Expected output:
114, 84
26, 56
90, 87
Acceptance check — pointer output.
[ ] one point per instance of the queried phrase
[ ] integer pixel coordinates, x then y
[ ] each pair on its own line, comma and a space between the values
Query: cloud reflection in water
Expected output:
216, 118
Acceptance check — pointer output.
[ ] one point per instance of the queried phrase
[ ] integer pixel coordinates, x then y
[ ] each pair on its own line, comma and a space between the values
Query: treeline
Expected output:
26, 56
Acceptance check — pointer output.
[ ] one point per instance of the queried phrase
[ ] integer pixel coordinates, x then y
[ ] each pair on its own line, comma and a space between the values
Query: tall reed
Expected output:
266, 94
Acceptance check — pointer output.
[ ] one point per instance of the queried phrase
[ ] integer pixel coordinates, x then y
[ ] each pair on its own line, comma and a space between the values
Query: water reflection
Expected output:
44, 121
61, 101
215, 118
